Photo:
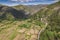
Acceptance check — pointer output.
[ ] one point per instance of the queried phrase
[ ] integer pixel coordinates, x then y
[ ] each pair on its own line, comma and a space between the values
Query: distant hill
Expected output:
29, 8
19, 11
48, 10
9, 12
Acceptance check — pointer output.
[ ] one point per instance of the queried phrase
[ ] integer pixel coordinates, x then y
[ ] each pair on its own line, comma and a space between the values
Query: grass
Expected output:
27, 37
39, 23
13, 35
43, 36
47, 35
7, 25
26, 25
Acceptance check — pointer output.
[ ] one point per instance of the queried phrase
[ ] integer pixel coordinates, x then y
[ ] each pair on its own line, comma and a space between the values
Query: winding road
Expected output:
43, 29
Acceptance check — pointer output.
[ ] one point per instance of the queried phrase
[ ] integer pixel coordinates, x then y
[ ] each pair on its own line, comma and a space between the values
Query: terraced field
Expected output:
19, 30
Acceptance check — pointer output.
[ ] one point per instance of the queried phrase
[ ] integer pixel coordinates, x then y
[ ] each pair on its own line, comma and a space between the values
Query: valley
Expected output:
33, 22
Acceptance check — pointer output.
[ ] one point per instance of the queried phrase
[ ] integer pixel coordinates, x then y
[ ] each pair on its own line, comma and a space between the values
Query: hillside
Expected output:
11, 13
16, 24
30, 8
51, 15
19, 11
42, 25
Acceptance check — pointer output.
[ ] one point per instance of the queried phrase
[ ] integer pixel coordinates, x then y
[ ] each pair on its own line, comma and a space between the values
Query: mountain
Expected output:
30, 8
51, 15
43, 24
19, 11
9, 12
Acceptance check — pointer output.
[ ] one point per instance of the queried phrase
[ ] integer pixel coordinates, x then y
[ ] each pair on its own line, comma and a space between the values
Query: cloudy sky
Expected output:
26, 2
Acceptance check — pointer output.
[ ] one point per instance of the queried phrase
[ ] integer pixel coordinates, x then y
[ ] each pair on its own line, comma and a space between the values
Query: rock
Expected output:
33, 37
32, 31
28, 33
36, 31
22, 30
37, 27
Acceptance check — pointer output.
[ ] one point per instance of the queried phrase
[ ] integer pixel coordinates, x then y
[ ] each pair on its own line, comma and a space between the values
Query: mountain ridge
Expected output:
19, 11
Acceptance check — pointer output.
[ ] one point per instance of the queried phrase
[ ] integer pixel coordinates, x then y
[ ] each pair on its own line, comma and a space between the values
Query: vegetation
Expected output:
13, 20
52, 12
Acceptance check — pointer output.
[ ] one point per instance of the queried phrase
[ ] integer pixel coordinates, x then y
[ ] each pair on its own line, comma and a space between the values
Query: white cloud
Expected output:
23, 0
13, 0
27, 0
31, 0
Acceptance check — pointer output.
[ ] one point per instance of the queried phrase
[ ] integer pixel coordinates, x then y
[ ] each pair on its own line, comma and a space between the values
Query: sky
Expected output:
26, 2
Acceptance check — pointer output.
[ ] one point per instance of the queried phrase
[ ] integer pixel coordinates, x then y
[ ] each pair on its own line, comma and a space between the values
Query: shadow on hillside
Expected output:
17, 14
